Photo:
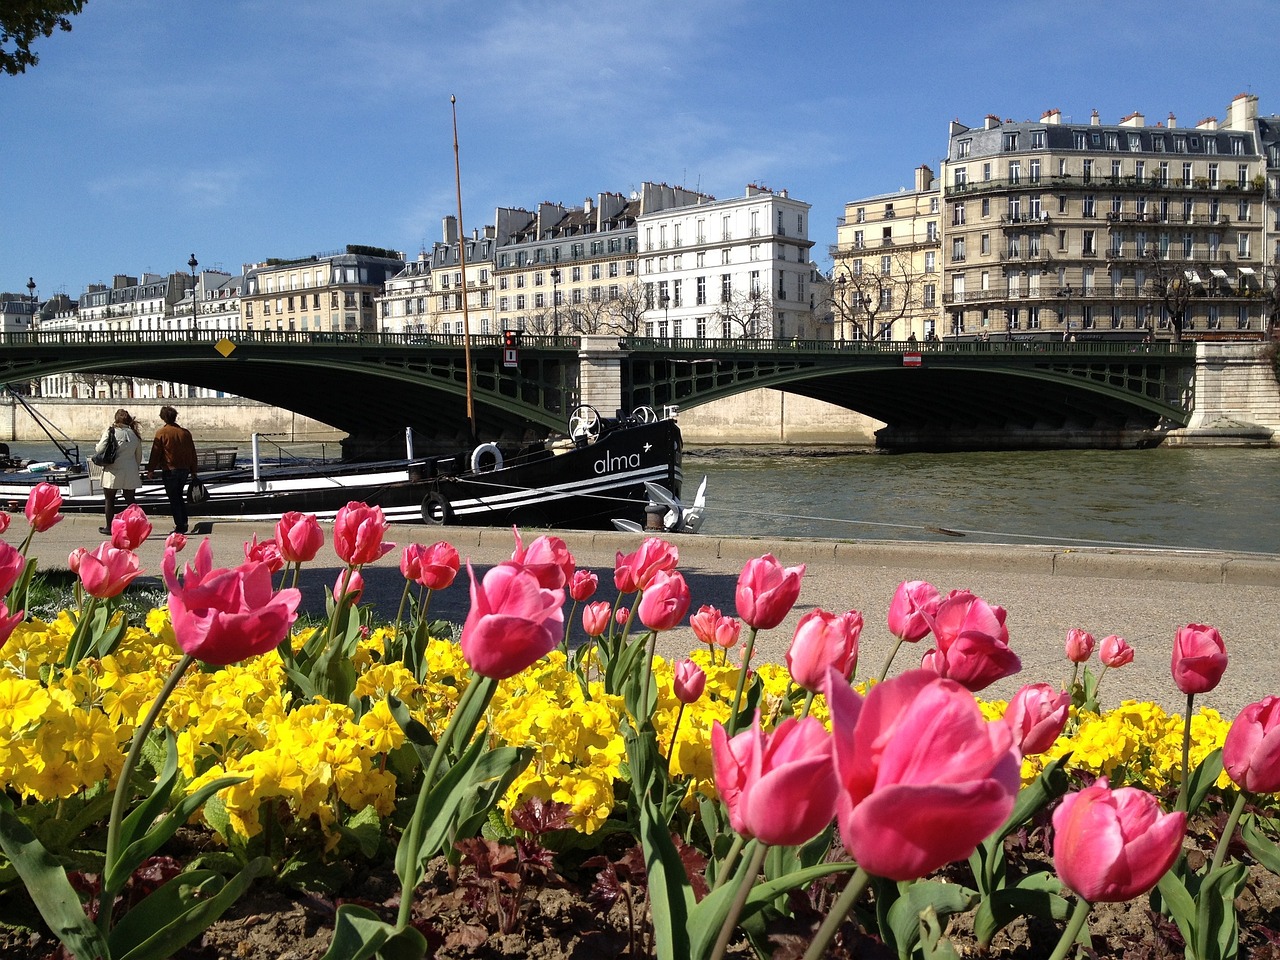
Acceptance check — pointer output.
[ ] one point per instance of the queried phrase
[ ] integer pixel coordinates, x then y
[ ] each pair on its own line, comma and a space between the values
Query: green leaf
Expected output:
1179, 904
442, 806
1263, 849
179, 911
1216, 930
358, 934
1202, 780
935, 944
47, 884
489, 781
365, 830
415, 731
1038, 895
670, 894
935, 897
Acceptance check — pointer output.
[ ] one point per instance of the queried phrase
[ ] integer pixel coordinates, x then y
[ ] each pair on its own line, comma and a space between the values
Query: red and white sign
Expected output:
911, 359
510, 357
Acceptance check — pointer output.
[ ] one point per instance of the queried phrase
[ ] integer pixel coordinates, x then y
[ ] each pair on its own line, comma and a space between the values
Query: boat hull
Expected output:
581, 488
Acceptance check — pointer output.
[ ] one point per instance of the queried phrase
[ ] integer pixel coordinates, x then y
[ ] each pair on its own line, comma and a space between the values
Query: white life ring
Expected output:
480, 458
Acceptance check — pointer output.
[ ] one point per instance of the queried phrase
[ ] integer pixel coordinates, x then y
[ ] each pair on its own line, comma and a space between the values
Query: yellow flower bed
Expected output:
62, 733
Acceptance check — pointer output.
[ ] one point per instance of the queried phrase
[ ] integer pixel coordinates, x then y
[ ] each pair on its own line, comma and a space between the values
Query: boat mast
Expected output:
462, 265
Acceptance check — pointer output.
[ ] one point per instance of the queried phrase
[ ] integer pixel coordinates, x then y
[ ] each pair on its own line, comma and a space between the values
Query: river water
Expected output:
1220, 499
1181, 498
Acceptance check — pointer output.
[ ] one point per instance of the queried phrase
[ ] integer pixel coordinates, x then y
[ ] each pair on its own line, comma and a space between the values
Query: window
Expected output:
1242, 246
886, 266
701, 291
986, 207
1037, 139
957, 248
886, 298
1115, 169
930, 294
1015, 171
1135, 142
1088, 170
1010, 141
1213, 175
986, 171
957, 215
960, 179
1113, 142
1164, 172
1088, 247
962, 148
1033, 172
931, 231
1090, 207
726, 288
930, 262
984, 244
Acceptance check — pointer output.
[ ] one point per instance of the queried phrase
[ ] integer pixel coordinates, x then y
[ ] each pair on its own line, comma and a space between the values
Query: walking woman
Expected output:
125, 473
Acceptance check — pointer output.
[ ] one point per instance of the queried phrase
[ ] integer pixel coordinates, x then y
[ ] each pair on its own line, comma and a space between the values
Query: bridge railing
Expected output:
999, 346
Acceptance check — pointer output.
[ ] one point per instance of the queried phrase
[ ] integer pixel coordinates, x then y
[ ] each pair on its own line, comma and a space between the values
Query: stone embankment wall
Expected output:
1237, 397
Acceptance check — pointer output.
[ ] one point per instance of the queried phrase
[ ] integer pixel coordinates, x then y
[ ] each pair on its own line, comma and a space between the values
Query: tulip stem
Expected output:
671, 750
1224, 841
742, 681
730, 860
1075, 675
404, 598
808, 703
893, 652
1184, 788
1072, 932
739, 901
839, 910
106, 897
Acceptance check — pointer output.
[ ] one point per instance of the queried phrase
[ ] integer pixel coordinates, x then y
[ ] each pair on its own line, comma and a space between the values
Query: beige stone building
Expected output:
1101, 231
332, 292
886, 275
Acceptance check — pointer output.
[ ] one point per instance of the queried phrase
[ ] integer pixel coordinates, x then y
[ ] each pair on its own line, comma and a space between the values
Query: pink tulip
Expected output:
43, 503
439, 566
1037, 715
1199, 658
710, 626
1114, 652
596, 618
358, 532
973, 643
350, 584
266, 552
924, 778
5, 519
513, 622
1079, 645
780, 787
548, 557
299, 537
106, 571
914, 602
637, 570
12, 566
73, 560
664, 601
766, 591
224, 616
130, 528
824, 640
9, 623
583, 585
1113, 845
176, 541
621, 617
1251, 752
688, 681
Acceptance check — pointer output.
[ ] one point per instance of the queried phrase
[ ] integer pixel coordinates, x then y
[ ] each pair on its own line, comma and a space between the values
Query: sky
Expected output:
240, 130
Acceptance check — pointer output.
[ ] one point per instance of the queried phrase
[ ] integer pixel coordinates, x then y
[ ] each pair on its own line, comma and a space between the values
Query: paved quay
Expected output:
1143, 596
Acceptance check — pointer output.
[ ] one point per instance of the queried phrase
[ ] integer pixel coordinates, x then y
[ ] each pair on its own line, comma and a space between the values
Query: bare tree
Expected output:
746, 315
873, 293
622, 314
1172, 289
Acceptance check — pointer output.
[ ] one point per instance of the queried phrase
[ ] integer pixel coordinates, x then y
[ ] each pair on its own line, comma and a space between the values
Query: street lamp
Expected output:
666, 302
31, 292
555, 298
1066, 293
193, 263
839, 283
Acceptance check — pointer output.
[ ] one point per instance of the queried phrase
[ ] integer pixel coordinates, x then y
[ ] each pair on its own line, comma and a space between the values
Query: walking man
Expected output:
173, 453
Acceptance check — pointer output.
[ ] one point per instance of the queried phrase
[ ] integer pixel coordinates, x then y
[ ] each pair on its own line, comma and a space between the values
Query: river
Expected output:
1178, 497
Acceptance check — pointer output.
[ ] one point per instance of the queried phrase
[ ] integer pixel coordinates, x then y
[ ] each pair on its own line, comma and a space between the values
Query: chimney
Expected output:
1208, 123
1134, 119
1095, 120
586, 206
1173, 121
450, 225
1051, 116
991, 122
924, 178
1242, 112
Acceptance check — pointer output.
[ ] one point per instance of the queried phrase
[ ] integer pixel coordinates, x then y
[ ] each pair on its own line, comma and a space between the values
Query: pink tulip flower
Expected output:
265, 551
822, 641
12, 566
514, 621
358, 532
710, 626
73, 560
1114, 652
176, 541
1037, 715
1079, 645
781, 787
583, 585
924, 778
1199, 658
973, 643
621, 617
434, 567
688, 681
5, 520
1113, 845
548, 557
636, 570
664, 601
349, 584
9, 623
130, 528
912, 606
299, 537
224, 616
596, 618
43, 503
1251, 752
106, 571
767, 591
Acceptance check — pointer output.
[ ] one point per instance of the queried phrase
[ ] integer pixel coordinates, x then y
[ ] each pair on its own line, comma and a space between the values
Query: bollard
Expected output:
653, 514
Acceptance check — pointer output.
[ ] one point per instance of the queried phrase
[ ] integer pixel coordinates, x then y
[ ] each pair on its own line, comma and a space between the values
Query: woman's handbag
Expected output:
197, 492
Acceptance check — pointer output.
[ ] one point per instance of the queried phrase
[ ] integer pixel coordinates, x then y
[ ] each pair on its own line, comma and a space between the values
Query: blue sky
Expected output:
247, 129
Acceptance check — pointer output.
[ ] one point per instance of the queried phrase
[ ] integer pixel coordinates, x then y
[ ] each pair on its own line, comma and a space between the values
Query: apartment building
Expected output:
1106, 231
886, 272
734, 268
329, 292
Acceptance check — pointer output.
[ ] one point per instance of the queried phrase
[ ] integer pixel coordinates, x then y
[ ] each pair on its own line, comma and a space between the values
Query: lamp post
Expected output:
555, 299
193, 263
31, 292
666, 302
839, 284
1066, 293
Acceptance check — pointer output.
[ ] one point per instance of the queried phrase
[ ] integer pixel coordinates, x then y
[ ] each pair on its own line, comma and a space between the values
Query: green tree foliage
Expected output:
22, 21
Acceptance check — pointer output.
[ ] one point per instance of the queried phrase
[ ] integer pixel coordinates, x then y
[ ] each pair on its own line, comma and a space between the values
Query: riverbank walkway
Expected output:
1143, 596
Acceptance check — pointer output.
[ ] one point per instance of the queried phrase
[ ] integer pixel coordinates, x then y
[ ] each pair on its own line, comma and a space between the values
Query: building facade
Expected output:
330, 292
